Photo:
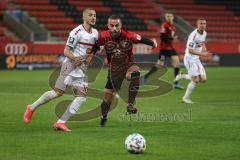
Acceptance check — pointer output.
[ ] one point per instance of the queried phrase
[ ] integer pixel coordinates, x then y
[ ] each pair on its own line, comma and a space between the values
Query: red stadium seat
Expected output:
222, 23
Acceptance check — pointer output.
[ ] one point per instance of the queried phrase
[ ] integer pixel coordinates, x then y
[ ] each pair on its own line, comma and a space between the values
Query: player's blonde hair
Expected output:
87, 9
201, 19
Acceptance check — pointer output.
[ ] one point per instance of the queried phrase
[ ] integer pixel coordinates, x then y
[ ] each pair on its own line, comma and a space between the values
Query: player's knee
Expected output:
80, 89
108, 97
176, 65
195, 79
79, 93
159, 64
133, 75
59, 92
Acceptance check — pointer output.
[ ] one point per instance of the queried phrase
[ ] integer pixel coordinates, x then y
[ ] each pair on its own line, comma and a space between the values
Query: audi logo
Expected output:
16, 49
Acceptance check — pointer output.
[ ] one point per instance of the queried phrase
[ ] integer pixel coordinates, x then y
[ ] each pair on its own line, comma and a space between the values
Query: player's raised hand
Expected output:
155, 42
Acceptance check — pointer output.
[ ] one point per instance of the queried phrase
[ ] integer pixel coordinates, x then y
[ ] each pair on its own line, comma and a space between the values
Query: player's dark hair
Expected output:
168, 12
114, 16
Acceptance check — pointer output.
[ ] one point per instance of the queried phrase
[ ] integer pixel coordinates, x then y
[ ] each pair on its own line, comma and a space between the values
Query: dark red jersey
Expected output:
121, 45
167, 34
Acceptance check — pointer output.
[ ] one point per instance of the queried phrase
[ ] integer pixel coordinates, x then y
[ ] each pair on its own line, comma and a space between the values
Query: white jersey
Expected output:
80, 41
195, 40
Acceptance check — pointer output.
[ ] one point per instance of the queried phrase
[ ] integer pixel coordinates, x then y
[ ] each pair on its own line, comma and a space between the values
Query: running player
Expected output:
194, 49
118, 44
167, 49
78, 47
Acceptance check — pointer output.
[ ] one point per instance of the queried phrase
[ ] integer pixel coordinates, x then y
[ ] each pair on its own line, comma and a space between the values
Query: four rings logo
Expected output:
16, 49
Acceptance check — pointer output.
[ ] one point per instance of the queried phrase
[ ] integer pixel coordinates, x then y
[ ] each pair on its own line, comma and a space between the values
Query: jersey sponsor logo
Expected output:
71, 40
16, 49
191, 44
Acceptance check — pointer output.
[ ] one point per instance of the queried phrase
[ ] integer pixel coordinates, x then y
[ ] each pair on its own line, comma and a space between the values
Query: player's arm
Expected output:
71, 43
136, 38
68, 53
150, 42
203, 53
95, 48
90, 53
191, 44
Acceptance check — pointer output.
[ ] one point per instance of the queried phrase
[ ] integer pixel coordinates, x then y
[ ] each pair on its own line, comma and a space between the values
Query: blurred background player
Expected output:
80, 42
166, 49
195, 47
118, 45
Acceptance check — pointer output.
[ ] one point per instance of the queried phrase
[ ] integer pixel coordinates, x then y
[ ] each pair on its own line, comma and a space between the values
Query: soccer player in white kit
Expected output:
78, 52
194, 49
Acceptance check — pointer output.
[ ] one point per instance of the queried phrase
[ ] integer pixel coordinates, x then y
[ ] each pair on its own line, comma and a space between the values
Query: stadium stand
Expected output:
5, 34
222, 17
60, 16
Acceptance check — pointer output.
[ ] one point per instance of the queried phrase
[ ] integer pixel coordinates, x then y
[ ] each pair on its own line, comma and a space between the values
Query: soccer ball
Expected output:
135, 143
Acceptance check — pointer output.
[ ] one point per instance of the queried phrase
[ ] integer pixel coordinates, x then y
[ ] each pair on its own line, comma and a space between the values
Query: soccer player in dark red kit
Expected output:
118, 45
167, 49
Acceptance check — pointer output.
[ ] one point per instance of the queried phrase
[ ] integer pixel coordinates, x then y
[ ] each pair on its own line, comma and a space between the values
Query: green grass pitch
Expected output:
211, 131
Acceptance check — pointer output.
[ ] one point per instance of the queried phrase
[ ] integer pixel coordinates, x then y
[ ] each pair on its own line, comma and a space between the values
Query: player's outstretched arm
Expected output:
149, 42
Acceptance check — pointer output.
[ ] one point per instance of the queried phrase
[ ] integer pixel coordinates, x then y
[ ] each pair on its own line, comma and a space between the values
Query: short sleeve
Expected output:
191, 42
134, 37
73, 38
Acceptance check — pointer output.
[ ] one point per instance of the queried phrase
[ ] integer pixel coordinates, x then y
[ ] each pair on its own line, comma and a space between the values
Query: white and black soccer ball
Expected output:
135, 143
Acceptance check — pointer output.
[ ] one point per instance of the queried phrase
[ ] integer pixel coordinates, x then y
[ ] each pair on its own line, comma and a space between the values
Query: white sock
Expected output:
47, 96
72, 109
186, 76
190, 88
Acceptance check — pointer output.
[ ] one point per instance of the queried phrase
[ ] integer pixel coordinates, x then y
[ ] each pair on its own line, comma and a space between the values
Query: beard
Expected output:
115, 34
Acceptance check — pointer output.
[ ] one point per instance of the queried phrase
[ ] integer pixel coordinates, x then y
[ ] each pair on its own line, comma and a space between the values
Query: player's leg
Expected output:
59, 90
176, 65
133, 75
193, 71
105, 105
203, 76
159, 64
184, 76
114, 82
79, 92
46, 97
190, 88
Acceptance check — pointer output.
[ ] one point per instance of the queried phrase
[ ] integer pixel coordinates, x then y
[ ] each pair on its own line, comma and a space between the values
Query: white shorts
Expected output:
194, 67
79, 83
